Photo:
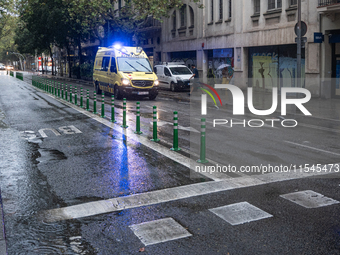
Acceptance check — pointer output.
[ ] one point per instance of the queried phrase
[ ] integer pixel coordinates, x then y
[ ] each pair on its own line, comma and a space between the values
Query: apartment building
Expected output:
257, 38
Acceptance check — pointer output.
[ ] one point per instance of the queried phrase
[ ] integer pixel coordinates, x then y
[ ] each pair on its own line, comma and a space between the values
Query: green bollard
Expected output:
58, 89
71, 94
65, 91
138, 119
75, 95
95, 102
62, 91
124, 114
175, 140
202, 148
81, 98
103, 105
113, 109
155, 139
88, 101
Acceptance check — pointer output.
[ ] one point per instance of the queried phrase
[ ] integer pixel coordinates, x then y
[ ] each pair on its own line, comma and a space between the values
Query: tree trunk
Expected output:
69, 62
51, 55
42, 64
80, 58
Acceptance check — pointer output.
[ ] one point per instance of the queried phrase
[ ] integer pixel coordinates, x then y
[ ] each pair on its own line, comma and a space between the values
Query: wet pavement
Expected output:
54, 156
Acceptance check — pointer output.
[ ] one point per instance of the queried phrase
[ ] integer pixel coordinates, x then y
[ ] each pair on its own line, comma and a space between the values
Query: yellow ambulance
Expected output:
124, 71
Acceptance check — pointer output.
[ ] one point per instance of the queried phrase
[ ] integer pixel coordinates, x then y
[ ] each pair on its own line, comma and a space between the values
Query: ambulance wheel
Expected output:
117, 94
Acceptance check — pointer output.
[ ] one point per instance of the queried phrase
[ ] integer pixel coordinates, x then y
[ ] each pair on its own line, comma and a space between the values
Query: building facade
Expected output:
257, 39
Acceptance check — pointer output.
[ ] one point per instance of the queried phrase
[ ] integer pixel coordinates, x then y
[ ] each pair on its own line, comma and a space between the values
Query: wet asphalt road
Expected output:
87, 161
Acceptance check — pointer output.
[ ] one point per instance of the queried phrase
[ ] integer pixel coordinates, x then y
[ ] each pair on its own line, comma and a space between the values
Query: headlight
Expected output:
125, 81
156, 82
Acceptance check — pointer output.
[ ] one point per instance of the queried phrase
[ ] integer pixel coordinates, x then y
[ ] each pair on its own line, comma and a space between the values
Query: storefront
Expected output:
334, 40
188, 57
218, 59
274, 66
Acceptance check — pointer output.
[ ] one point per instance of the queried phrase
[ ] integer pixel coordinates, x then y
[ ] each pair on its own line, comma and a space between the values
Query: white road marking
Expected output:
167, 195
309, 199
158, 109
159, 231
161, 123
312, 148
240, 213
43, 134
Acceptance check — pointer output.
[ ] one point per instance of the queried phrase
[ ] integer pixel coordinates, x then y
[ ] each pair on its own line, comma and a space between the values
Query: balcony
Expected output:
329, 7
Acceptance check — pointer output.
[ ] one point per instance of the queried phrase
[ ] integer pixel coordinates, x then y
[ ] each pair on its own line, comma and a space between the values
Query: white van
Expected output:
175, 76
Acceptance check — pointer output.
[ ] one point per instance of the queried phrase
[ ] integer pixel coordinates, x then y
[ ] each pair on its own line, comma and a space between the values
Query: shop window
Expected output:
274, 4
257, 8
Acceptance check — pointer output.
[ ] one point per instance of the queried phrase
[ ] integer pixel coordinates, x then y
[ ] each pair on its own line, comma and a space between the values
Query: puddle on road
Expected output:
48, 155
25, 192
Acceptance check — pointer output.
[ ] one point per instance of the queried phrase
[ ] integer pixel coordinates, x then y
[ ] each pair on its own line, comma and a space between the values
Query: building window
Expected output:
274, 4
257, 6
229, 9
220, 16
183, 12
293, 2
192, 17
212, 10
174, 23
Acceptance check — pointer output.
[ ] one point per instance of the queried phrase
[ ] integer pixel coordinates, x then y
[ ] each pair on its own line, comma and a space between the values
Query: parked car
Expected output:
176, 76
2, 67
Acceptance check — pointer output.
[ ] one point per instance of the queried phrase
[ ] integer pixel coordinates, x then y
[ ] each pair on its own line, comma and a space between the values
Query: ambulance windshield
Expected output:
134, 65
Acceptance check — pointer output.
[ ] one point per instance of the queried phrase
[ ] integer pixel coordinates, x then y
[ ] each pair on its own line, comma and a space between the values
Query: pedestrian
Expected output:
195, 75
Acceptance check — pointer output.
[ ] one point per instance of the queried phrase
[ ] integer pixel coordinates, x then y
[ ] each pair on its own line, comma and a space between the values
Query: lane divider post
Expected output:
124, 114
138, 119
71, 94
95, 102
113, 109
103, 105
88, 101
62, 90
65, 91
75, 95
175, 139
155, 139
58, 84
202, 147
81, 98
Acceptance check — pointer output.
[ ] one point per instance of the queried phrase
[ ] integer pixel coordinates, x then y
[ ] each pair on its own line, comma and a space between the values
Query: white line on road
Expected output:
167, 195
312, 148
158, 109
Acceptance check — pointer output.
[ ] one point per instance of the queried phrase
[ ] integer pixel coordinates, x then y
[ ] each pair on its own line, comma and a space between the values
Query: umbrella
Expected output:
223, 66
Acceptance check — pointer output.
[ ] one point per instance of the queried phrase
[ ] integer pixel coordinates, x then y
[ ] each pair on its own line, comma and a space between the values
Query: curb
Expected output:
3, 245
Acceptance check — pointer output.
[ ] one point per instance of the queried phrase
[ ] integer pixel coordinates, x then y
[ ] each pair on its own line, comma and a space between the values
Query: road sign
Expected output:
318, 37
303, 28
